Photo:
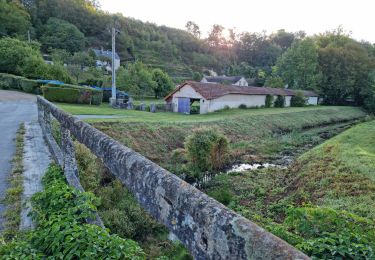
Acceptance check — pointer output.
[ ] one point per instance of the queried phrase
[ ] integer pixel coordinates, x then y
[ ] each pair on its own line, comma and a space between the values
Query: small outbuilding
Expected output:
213, 97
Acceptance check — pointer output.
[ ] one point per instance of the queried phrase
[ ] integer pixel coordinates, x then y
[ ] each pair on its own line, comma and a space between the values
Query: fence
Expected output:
207, 228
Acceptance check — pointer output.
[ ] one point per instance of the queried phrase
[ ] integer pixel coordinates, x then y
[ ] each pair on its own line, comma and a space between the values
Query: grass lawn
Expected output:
141, 116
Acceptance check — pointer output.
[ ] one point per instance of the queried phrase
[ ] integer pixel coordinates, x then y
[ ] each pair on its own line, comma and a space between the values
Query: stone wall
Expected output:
207, 228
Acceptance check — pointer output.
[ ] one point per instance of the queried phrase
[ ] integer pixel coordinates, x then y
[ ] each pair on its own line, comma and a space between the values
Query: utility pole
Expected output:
28, 36
113, 99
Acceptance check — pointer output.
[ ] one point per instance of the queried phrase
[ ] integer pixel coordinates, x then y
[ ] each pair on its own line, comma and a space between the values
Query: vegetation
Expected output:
298, 100
120, 211
60, 212
13, 197
72, 94
207, 150
323, 204
279, 101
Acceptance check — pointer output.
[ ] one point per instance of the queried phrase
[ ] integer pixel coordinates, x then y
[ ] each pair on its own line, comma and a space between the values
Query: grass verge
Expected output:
13, 196
324, 204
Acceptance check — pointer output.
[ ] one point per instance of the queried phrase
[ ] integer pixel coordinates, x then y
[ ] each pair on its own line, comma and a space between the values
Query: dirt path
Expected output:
15, 108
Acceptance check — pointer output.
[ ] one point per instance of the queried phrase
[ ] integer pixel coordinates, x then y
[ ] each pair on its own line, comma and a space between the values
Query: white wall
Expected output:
312, 101
241, 82
233, 101
187, 92
287, 100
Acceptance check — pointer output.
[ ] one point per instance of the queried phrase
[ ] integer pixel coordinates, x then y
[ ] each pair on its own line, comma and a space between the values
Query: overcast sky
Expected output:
313, 16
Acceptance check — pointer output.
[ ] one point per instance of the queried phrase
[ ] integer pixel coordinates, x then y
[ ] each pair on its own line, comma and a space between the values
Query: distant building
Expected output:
212, 97
104, 59
236, 80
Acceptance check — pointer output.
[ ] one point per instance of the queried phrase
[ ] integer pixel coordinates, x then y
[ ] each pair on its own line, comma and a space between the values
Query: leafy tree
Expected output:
280, 101
283, 39
78, 62
193, 28
163, 84
14, 19
59, 34
216, 37
298, 66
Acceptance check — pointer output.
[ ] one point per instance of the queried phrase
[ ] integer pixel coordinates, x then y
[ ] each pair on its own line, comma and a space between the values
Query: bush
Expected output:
30, 86
72, 94
207, 149
60, 94
195, 110
280, 101
223, 195
9, 81
242, 106
298, 100
269, 100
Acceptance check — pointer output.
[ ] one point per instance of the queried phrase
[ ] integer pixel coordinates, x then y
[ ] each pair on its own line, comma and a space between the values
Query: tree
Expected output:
163, 84
193, 28
345, 73
215, 37
59, 34
14, 19
283, 39
78, 62
298, 100
298, 66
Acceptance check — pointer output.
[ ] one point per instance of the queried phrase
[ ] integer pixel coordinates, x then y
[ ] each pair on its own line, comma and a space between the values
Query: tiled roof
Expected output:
212, 91
222, 79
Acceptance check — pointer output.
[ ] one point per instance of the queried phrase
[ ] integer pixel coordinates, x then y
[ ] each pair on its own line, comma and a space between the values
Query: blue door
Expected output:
183, 105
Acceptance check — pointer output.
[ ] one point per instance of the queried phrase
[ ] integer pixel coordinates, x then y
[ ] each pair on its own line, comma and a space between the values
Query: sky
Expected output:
313, 16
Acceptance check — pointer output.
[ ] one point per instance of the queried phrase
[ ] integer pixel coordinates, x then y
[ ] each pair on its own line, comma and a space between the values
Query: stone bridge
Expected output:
207, 228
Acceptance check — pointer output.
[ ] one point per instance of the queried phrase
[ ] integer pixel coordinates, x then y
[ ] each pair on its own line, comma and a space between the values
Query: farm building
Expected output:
213, 97
236, 80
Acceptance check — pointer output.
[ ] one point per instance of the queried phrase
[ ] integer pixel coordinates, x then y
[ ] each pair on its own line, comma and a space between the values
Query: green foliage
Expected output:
60, 213
14, 19
280, 101
72, 94
242, 106
207, 149
328, 233
298, 100
60, 34
269, 100
274, 82
163, 84
223, 195
23, 58
298, 66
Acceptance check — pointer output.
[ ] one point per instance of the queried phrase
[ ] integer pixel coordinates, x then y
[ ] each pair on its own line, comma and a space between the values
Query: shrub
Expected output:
269, 100
242, 106
330, 234
223, 195
207, 149
280, 101
195, 110
298, 100
30, 86
9, 81
60, 94
226, 107
72, 94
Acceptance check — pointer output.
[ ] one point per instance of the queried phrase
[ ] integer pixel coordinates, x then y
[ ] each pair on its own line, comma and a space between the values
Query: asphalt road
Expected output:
15, 108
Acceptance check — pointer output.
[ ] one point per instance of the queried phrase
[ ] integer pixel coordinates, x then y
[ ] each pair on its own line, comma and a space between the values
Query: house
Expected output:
236, 80
212, 97
104, 58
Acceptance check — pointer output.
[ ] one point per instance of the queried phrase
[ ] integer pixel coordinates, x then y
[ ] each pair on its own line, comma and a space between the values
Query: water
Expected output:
237, 168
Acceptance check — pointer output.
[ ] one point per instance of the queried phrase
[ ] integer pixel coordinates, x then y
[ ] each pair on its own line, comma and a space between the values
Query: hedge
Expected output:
9, 81
72, 94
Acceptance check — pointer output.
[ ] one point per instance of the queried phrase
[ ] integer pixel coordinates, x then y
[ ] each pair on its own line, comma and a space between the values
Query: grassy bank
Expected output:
326, 191
254, 135
13, 196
